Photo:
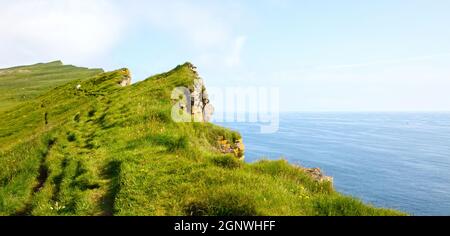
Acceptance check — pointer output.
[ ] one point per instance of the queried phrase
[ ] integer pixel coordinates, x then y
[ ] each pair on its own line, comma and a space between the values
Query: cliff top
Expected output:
88, 146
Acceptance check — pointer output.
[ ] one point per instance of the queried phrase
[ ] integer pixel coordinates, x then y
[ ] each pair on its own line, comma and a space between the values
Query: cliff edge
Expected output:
103, 146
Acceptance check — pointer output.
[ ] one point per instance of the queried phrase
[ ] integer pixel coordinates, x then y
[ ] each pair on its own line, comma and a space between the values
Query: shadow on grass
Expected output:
112, 172
57, 180
41, 179
170, 142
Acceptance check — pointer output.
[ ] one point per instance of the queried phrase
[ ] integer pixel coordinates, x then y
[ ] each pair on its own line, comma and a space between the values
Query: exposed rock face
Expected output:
202, 111
197, 100
317, 174
201, 108
237, 148
126, 79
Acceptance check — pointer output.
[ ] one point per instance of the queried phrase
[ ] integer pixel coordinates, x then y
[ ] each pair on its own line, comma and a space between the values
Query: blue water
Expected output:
394, 160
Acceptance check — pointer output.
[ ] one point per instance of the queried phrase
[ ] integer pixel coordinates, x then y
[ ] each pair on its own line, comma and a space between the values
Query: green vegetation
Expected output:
24, 83
103, 149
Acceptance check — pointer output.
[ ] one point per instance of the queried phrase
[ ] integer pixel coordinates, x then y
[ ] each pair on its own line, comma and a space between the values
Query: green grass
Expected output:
24, 83
108, 150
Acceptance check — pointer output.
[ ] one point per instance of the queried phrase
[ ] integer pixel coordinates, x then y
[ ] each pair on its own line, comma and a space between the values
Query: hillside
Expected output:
94, 147
24, 83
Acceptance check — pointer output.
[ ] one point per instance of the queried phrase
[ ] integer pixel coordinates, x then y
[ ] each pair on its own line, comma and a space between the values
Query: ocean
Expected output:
393, 160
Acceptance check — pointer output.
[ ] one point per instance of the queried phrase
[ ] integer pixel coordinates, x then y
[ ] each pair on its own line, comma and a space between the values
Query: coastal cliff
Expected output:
100, 145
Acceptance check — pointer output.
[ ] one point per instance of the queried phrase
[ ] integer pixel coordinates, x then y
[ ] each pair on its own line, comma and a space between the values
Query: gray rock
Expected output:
202, 110
200, 107
126, 81
318, 175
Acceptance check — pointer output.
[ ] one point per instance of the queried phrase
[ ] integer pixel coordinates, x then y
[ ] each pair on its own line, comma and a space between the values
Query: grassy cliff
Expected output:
24, 83
103, 149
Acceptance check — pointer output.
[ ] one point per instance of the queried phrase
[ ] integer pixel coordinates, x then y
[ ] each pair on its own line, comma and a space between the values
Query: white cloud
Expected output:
74, 31
85, 32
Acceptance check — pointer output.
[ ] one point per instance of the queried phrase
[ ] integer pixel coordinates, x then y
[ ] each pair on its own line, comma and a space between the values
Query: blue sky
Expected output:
344, 55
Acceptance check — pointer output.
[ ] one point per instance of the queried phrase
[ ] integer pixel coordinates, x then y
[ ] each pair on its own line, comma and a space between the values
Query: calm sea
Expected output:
394, 160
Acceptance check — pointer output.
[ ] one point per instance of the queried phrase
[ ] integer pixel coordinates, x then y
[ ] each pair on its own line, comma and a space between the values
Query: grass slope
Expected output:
108, 150
23, 83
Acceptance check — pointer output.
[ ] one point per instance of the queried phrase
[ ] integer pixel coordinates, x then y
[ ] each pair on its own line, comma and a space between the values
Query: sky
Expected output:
347, 55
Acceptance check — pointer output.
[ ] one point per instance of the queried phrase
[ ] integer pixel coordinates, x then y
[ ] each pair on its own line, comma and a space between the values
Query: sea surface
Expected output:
394, 160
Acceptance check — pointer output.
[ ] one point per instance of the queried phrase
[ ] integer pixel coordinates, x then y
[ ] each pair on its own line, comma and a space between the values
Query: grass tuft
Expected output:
221, 203
227, 161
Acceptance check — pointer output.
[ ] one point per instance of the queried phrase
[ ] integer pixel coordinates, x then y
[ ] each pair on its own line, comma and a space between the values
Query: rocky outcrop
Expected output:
202, 111
317, 174
201, 108
126, 78
237, 148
